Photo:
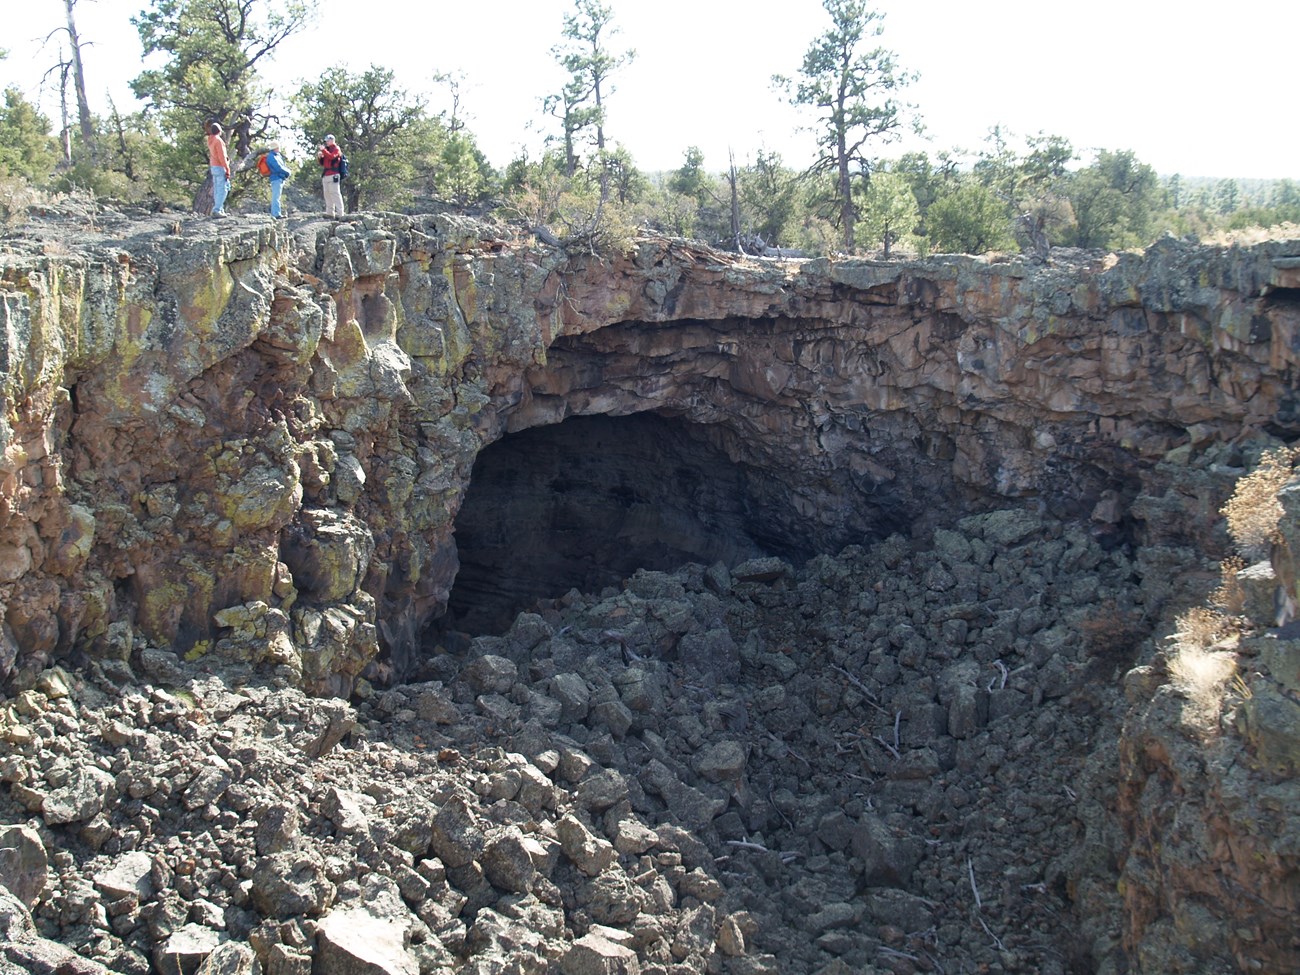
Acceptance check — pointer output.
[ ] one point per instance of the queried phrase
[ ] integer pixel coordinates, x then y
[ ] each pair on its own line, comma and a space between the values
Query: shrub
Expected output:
1253, 511
1203, 662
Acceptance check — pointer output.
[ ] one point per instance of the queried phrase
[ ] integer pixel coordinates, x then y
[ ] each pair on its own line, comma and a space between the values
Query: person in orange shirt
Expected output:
220, 167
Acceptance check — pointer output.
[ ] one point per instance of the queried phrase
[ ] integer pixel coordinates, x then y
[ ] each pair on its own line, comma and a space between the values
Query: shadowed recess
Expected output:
585, 503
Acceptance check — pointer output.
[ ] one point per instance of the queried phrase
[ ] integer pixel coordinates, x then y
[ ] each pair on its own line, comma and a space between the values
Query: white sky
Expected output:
1193, 87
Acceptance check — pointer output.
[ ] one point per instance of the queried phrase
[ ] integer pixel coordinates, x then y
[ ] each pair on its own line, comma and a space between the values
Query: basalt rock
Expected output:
835, 569
248, 416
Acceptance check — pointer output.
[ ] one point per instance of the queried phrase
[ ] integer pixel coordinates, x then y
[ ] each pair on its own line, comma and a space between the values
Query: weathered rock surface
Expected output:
854, 707
254, 442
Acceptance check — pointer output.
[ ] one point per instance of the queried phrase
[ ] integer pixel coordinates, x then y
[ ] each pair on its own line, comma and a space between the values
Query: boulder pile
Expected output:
877, 761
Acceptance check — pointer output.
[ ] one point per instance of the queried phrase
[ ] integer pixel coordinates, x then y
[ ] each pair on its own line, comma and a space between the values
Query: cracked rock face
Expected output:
834, 571
289, 421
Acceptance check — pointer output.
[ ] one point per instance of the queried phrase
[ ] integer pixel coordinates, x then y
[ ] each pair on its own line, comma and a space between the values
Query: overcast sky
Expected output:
1193, 87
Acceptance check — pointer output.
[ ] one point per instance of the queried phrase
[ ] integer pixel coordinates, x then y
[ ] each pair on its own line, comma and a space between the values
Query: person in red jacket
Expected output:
331, 159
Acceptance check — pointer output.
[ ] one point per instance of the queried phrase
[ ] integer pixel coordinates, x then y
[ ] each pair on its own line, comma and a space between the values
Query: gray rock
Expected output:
186, 950
573, 694
491, 674
456, 839
24, 952
632, 836
640, 690
434, 704
590, 854
277, 828
283, 960
612, 898
899, 909
967, 711
507, 861
348, 811
887, 859
696, 933
24, 866
351, 941
208, 787
574, 764
594, 955
613, 715
837, 914
81, 799
767, 569
16, 924
536, 790
598, 792
291, 883
230, 959
721, 761
130, 876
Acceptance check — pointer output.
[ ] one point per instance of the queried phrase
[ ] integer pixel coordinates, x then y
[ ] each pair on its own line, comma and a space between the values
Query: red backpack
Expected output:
263, 166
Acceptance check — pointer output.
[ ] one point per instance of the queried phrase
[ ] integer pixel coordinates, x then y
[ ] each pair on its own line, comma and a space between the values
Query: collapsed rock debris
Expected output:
700, 795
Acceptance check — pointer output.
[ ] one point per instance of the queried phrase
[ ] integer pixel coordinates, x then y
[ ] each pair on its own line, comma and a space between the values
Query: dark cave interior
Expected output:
585, 503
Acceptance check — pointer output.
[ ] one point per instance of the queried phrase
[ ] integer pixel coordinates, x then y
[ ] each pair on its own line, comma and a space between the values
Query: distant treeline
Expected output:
1012, 193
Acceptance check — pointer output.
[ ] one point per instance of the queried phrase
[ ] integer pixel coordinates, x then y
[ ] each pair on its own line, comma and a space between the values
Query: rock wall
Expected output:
251, 445
248, 442
1211, 861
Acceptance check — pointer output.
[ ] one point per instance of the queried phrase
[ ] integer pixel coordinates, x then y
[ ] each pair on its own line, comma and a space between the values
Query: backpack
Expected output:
343, 167
263, 166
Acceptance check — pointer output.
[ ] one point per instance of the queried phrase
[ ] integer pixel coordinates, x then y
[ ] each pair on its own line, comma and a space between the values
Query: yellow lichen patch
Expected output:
616, 308
160, 612
262, 497
200, 648
203, 297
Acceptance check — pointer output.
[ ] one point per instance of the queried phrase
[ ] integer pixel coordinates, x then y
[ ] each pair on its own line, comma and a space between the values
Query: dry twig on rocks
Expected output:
870, 698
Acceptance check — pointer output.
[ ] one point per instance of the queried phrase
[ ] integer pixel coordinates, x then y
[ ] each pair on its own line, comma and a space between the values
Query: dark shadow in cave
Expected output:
585, 503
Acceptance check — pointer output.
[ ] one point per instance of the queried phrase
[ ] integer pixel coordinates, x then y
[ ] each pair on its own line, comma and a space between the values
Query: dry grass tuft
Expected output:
16, 200
1202, 661
1253, 511
1230, 597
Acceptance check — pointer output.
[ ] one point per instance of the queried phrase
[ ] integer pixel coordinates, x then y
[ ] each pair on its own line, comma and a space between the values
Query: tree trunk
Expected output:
846, 200
79, 83
842, 164
203, 198
732, 179
600, 147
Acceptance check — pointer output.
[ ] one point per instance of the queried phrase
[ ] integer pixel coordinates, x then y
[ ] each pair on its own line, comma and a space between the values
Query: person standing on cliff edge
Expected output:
331, 159
278, 174
219, 166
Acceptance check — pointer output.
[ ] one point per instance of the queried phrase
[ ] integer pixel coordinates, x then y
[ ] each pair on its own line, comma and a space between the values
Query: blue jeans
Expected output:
220, 187
276, 186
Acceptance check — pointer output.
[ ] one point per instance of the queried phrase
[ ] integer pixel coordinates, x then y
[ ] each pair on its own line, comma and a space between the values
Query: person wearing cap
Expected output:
219, 166
331, 159
279, 173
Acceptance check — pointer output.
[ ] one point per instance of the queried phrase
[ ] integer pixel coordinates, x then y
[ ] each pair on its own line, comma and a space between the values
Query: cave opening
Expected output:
585, 503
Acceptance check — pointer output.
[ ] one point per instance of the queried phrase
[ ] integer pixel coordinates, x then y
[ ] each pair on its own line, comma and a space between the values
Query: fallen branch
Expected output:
894, 953
792, 752
871, 698
785, 855
1005, 674
886, 746
997, 942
